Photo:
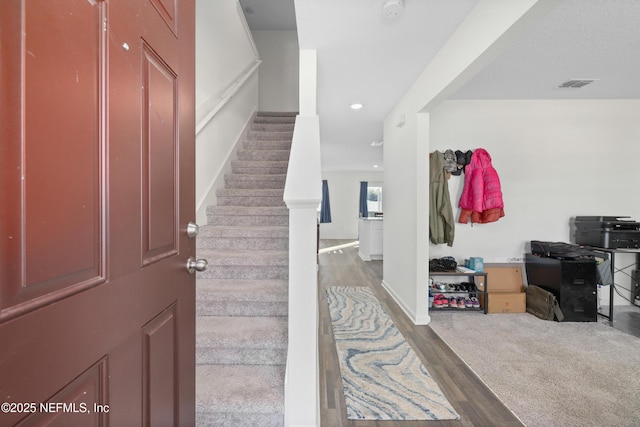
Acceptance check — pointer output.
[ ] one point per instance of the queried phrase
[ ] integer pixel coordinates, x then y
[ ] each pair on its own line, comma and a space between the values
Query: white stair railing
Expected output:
302, 194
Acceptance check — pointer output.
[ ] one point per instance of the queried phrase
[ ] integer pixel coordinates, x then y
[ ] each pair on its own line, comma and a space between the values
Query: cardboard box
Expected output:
506, 290
502, 279
505, 302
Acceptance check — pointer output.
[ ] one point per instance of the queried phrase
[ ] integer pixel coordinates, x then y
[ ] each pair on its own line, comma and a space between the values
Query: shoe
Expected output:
475, 302
460, 302
453, 303
440, 301
468, 303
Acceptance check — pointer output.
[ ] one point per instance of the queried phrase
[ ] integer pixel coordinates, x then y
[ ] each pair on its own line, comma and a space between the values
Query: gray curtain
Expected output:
364, 189
325, 206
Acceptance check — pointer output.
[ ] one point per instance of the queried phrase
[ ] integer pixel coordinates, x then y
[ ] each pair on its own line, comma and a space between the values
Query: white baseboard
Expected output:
422, 320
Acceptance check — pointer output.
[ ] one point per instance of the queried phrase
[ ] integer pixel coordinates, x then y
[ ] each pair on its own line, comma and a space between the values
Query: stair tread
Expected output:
249, 210
277, 113
243, 290
244, 257
250, 192
241, 297
257, 177
265, 144
265, 231
241, 331
273, 150
240, 388
274, 132
261, 162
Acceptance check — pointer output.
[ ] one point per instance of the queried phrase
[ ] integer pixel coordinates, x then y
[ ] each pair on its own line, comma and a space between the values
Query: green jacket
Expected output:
441, 222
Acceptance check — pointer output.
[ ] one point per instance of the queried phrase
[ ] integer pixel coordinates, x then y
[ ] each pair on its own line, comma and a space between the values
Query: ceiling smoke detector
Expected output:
392, 8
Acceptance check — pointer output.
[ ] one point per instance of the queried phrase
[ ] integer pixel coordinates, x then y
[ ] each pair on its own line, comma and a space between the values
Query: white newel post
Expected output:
302, 194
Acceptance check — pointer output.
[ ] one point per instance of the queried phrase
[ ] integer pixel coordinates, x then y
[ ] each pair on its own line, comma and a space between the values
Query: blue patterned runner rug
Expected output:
382, 377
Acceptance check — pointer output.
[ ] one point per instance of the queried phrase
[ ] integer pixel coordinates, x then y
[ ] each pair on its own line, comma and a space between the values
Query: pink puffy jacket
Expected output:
482, 195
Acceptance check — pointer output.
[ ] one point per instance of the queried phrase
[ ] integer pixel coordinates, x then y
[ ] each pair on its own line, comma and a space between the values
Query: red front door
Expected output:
96, 189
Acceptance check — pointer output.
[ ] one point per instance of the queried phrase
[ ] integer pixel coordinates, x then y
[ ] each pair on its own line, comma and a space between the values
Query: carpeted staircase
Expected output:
241, 300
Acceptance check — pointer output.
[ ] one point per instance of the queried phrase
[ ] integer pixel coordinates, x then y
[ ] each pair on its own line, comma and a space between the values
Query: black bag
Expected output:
543, 304
446, 263
561, 250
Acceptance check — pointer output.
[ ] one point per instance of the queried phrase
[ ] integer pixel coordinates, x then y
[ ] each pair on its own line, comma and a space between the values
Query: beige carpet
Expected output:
550, 373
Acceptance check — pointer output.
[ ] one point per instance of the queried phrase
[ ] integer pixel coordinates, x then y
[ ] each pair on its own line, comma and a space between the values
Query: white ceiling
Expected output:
364, 57
265, 15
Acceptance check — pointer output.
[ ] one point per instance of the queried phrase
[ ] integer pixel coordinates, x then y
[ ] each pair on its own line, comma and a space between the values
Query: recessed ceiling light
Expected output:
377, 144
356, 106
376, 166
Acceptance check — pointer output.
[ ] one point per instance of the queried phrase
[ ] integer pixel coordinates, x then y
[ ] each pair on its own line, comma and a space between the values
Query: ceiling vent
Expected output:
577, 83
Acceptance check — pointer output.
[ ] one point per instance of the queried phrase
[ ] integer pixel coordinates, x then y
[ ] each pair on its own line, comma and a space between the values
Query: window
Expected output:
374, 197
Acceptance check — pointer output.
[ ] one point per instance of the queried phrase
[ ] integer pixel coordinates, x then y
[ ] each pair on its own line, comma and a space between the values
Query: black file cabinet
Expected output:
573, 282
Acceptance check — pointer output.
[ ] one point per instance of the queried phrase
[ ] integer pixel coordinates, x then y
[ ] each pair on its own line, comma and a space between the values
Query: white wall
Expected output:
490, 26
556, 159
344, 194
279, 70
224, 52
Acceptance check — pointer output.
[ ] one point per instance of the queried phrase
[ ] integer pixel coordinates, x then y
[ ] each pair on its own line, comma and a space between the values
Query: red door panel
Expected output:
160, 370
42, 259
82, 398
159, 116
97, 323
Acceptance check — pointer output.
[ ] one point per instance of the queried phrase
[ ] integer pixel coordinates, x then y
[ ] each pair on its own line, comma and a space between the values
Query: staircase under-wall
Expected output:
241, 299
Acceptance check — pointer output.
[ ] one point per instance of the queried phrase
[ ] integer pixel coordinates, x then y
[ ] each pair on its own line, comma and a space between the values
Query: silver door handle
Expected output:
192, 229
194, 265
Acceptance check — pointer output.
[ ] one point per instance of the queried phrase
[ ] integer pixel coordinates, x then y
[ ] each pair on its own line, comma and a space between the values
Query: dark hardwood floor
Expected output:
475, 403
626, 319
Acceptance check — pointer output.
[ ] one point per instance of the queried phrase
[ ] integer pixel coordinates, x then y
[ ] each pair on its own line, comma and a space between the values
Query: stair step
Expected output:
269, 136
250, 192
250, 197
277, 114
266, 145
250, 167
261, 155
274, 119
251, 257
236, 340
254, 181
265, 232
250, 201
249, 264
247, 215
243, 237
272, 127
237, 395
229, 297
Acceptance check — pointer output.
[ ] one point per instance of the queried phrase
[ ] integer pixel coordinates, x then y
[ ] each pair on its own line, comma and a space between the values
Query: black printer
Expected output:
610, 232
